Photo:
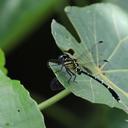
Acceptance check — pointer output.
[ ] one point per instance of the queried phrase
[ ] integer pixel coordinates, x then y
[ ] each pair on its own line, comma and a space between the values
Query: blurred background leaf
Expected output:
18, 17
2, 62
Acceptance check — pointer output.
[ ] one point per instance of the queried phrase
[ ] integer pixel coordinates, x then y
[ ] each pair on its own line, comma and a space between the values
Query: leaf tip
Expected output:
53, 22
67, 9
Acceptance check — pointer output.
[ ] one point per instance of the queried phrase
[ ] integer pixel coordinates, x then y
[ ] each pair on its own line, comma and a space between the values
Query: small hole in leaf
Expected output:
7, 124
100, 41
18, 110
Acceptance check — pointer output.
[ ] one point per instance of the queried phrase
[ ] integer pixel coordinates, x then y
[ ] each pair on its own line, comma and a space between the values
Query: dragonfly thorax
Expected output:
69, 63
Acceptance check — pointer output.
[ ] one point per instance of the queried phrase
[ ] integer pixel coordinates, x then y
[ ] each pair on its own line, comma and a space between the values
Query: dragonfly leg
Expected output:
60, 69
71, 74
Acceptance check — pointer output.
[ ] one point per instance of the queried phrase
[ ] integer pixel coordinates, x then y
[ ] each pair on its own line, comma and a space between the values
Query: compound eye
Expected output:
65, 56
61, 59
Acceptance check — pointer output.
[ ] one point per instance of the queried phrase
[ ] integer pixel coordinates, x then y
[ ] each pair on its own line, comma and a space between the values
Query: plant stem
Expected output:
54, 99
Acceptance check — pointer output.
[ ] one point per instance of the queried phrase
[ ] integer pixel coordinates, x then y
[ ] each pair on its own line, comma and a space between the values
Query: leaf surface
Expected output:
99, 22
17, 108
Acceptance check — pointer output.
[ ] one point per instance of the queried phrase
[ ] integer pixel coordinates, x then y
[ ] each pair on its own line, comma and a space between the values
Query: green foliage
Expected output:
2, 62
17, 109
18, 17
95, 23
120, 3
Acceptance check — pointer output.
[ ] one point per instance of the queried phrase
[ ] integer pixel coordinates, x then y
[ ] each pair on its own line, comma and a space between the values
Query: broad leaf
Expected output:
121, 3
99, 22
17, 109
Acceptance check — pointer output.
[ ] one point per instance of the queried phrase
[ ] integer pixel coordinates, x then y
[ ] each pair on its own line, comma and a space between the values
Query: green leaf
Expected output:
120, 3
17, 108
18, 17
2, 62
95, 23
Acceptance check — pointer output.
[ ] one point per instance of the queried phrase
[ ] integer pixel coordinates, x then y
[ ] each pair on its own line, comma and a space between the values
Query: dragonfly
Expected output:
73, 68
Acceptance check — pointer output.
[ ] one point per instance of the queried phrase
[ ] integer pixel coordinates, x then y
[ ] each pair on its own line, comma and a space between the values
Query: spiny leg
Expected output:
71, 74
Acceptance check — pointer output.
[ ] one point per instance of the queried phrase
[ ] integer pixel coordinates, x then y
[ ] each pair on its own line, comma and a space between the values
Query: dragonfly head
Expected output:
63, 58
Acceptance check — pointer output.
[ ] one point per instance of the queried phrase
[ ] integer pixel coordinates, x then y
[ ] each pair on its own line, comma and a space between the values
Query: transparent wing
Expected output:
55, 85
